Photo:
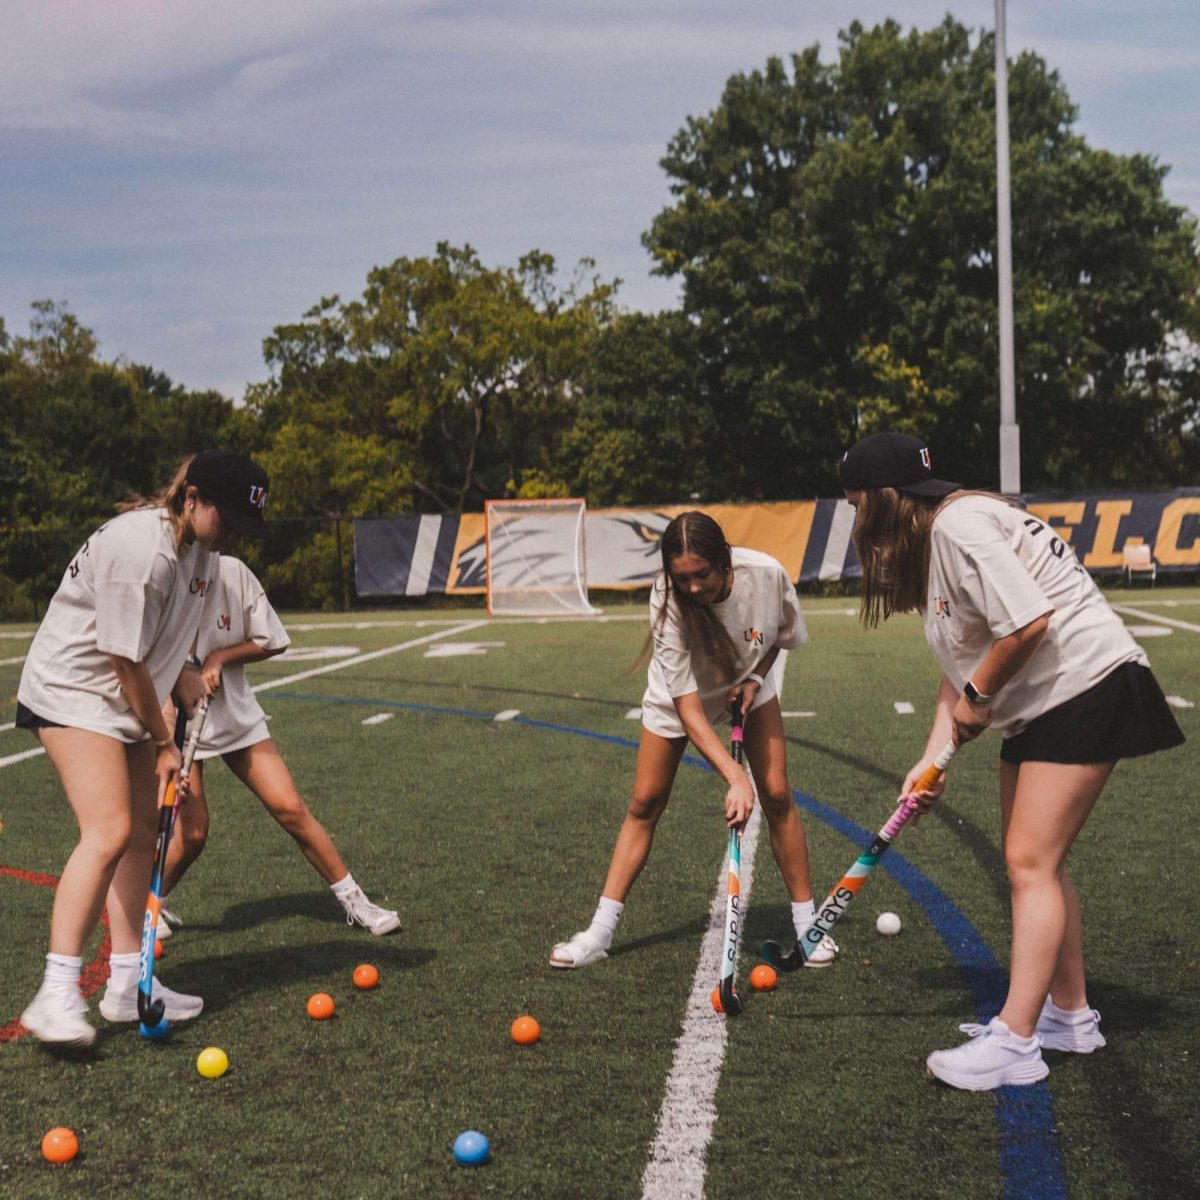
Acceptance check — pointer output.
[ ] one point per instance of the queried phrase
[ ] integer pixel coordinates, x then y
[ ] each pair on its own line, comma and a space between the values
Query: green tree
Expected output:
834, 227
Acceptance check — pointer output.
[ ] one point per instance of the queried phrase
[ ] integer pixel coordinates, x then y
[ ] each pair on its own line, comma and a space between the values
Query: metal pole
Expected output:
1010, 431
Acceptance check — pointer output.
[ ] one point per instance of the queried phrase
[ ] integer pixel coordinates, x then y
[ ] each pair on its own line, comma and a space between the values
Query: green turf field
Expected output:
492, 838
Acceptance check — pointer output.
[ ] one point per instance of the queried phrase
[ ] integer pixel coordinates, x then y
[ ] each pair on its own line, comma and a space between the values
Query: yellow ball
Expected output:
212, 1063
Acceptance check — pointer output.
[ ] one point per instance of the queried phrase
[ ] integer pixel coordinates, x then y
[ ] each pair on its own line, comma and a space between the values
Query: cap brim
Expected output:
243, 524
928, 487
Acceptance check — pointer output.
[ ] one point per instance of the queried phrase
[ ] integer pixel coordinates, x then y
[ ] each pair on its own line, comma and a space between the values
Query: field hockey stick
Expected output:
839, 899
150, 1011
731, 1004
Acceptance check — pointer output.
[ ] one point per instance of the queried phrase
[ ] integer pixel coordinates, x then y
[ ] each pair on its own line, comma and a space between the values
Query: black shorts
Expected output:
1123, 716
28, 719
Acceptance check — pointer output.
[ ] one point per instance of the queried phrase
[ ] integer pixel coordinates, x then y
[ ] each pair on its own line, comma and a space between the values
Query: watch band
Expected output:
974, 695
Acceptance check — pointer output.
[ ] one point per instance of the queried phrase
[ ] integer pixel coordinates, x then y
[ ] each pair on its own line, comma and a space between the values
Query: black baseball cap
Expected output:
895, 460
237, 486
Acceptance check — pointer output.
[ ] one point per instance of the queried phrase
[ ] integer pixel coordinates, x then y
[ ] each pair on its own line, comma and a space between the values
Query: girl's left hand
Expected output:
970, 720
189, 690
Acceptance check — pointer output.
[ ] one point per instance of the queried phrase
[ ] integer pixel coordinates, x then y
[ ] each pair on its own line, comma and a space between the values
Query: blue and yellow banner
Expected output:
447, 553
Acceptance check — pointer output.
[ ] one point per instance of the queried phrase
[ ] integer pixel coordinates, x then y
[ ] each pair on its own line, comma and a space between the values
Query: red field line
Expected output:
94, 974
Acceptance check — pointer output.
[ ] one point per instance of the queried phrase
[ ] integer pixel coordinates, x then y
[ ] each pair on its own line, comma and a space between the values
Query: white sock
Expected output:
63, 969
804, 913
125, 971
344, 887
1076, 1016
604, 923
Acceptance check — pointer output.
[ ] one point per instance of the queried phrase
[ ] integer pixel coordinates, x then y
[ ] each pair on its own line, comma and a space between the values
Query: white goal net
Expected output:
536, 560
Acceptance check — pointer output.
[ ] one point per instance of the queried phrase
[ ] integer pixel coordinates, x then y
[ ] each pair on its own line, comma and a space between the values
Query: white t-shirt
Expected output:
761, 611
237, 611
127, 592
994, 568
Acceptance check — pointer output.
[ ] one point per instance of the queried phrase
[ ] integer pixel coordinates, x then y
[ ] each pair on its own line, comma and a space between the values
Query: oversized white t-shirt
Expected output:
761, 611
994, 568
237, 611
127, 592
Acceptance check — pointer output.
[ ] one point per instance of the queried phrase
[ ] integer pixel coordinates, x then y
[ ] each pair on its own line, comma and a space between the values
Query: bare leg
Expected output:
94, 772
767, 751
262, 769
657, 761
126, 901
191, 831
1043, 808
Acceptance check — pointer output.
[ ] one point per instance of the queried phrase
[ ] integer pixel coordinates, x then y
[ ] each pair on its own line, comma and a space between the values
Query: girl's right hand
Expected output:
925, 799
167, 762
739, 802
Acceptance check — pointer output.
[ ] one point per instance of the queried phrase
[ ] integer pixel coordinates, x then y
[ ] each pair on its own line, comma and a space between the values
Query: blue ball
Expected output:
471, 1149
157, 1032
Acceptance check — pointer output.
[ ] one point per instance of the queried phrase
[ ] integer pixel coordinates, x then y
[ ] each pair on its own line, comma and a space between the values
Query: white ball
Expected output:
888, 923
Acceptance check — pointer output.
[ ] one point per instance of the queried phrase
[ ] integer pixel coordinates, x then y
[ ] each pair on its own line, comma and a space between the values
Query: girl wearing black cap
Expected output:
112, 647
719, 616
1028, 645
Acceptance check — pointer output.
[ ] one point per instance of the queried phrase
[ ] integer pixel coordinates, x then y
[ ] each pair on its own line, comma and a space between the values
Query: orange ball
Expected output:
158, 949
366, 976
60, 1145
320, 1006
763, 978
525, 1031
716, 1000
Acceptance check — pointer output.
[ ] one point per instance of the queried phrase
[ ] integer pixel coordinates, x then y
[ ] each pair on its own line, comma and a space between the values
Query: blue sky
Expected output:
186, 174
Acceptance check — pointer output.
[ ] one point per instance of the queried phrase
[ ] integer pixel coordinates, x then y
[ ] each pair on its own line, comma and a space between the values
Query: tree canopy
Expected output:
834, 227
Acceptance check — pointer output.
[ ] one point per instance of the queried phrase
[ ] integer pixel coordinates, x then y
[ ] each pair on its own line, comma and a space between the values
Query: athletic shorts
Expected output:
28, 719
1123, 716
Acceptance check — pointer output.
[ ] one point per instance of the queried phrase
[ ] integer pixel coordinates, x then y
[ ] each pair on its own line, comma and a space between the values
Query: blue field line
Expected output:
1030, 1158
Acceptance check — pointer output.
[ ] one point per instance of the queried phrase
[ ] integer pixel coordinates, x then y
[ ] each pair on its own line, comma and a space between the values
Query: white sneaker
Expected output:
122, 1006
824, 954
582, 949
163, 929
58, 1014
1076, 1032
360, 911
994, 1056
172, 919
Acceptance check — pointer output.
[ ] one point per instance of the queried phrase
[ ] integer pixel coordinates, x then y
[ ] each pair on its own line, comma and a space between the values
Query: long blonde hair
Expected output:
169, 498
891, 535
695, 533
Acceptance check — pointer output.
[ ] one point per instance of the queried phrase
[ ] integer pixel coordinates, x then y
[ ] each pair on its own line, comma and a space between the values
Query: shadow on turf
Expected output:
223, 980
689, 929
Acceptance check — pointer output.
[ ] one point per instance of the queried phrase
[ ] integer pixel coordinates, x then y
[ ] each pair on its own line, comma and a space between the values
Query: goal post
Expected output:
537, 559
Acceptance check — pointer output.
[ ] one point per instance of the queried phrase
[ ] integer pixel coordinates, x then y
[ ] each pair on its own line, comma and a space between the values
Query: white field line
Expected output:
339, 665
1129, 611
11, 662
679, 1151
16, 758
8, 726
342, 663
507, 714
379, 718
685, 1122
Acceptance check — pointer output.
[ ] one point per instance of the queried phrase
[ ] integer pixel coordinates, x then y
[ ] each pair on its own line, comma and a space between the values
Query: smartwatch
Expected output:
974, 695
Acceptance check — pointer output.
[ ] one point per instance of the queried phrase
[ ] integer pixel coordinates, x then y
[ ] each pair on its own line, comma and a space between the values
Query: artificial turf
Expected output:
492, 839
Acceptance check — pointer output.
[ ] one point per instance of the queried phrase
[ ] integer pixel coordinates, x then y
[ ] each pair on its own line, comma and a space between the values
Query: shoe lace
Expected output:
357, 905
972, 1030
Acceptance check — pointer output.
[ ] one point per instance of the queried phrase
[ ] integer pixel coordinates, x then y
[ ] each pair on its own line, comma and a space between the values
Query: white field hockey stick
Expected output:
731, 1003
838, 901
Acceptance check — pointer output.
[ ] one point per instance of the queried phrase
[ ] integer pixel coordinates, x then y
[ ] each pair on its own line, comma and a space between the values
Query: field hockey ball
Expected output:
366, 976
525, 1031
763, 978
471, 1149
320, 1006
888, 924
60, 1145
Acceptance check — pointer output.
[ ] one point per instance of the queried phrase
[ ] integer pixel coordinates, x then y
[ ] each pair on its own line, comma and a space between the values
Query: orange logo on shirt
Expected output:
223, 621
943, 606
198, 586
753, 636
